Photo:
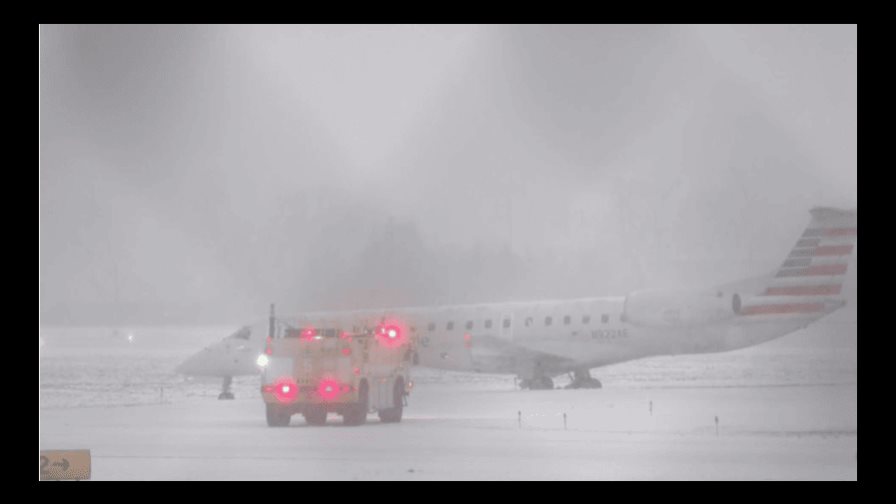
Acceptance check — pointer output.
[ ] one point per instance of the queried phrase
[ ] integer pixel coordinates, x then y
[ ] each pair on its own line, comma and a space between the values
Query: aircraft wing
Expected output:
496, 355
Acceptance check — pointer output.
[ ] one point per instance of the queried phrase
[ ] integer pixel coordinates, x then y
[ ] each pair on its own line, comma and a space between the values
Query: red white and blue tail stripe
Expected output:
810, 280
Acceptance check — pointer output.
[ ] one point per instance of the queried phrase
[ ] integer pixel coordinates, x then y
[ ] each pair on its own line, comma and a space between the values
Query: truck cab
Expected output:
351, 372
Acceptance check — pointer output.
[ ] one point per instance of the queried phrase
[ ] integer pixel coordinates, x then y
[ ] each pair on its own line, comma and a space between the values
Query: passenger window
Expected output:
604, 318
547, 321
566, 320
506, 323
586, 319
432, 326
469, 324
488, 324
450, 326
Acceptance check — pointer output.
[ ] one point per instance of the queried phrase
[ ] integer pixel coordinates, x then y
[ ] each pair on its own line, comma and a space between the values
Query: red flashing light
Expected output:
328, 389
345, 335
284, 389
308, 334
357, 371
346, 351
390, 335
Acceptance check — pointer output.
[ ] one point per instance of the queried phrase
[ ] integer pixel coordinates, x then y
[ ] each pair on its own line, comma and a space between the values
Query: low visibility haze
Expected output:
195, 174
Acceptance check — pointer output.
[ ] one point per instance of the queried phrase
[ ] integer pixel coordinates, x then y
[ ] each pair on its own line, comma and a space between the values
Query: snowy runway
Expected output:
471, 431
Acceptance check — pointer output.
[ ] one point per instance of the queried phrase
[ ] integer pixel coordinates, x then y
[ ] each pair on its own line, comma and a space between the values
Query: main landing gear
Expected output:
581, 379
537, 383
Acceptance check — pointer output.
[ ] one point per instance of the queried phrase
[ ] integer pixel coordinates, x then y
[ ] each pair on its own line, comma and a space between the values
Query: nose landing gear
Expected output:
225, 389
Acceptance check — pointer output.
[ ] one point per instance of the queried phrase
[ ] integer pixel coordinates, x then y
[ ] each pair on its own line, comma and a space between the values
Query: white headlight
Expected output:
262, 360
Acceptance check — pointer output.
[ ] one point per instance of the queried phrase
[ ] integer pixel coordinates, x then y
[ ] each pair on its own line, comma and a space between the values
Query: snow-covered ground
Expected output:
784, 413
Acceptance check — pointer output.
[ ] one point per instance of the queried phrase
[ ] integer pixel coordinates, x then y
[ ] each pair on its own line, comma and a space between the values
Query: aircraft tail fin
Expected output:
810, 280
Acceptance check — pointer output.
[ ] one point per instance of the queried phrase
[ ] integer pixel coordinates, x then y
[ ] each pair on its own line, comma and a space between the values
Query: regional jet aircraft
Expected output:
538, 341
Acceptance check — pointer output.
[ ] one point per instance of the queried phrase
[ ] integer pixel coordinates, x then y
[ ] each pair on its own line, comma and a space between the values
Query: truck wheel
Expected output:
276, 416
393, 415
315, 415
357, 413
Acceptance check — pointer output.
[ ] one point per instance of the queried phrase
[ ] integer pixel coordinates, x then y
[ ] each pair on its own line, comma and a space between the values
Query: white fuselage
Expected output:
548, 338
557, 336
523, 338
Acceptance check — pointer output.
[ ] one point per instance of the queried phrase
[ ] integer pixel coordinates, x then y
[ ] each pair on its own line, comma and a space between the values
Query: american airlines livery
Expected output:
540, 340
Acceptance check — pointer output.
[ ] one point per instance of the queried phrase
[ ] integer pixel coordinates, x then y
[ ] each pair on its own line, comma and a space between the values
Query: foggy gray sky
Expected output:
193, 173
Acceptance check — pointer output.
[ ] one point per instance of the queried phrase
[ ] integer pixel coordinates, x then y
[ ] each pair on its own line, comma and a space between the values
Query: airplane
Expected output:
537, 341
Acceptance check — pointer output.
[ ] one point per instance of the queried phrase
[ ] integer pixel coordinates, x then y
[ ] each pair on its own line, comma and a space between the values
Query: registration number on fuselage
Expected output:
609, 333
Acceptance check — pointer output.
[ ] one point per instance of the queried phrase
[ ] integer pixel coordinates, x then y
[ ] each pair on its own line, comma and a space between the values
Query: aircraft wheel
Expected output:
543, 383
537, 383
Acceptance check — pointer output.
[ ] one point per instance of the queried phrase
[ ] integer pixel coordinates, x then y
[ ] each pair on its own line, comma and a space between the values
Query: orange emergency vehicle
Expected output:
347, 371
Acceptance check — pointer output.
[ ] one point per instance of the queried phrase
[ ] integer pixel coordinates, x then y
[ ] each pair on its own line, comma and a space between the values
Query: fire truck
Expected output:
349, 371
